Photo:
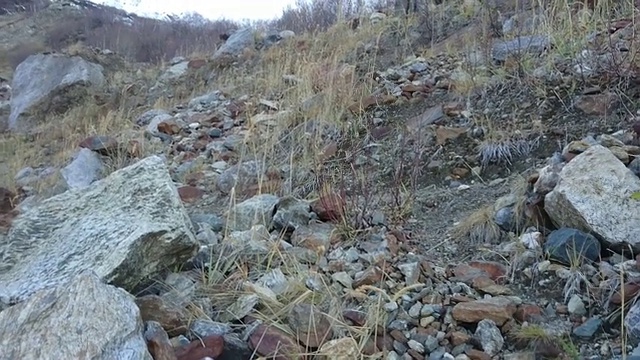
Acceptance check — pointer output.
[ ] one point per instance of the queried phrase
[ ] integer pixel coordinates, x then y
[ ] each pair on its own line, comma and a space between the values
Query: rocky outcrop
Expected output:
106, 320
593, 194
125, 227
238, 41
45, 83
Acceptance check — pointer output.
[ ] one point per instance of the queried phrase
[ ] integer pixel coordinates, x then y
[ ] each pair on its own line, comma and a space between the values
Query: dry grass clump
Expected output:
479, 227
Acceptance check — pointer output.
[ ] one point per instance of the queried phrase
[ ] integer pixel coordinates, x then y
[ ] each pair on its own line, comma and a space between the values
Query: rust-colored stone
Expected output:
172, 319
190, 194
275, 344
211, 346
196, 63
169, 127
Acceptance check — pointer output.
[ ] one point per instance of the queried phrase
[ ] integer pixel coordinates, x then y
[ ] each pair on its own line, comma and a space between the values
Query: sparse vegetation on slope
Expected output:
401, 179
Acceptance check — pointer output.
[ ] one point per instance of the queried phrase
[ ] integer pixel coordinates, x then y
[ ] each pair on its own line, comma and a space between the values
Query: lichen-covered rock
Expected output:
594, 195
82, 318
125, 227
50, 82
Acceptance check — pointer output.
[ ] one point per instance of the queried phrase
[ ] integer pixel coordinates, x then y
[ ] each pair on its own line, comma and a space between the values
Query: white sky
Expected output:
211, 9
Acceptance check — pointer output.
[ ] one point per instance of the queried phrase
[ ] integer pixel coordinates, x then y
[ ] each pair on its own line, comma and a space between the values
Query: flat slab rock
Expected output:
81, 319
125, 227
594, 195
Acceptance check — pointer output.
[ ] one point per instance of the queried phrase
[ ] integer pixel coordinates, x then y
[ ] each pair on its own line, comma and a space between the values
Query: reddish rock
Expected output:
315, 236
499, 309
369, 102
194, 178
458, 337
358, 318
380, 132
169, 127
190, 194
415, 355
474, 354
630, 290
211, 346
453, 108
375, 344
312, 327
196, 63
467, 273
411, 88
497, 272
271, 184
104, 145
275, 344
460, 173
528, 312
236, 108
444, 133
172, 319
158, 343
459, 298
329, 206
201, 144
488, 286
398, 336
384, 342
370, 276
369, 348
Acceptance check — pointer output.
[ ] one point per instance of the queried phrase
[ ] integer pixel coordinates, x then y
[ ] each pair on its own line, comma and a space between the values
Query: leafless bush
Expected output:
140, 39
317, 15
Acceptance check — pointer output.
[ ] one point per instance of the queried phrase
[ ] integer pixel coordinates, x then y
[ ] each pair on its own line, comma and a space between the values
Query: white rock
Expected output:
531, 240
594, 195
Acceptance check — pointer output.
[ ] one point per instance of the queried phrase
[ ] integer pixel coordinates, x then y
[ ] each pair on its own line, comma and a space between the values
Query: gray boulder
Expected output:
241, 39
125, 227
45, 83
85, 168
79, 319
593, 195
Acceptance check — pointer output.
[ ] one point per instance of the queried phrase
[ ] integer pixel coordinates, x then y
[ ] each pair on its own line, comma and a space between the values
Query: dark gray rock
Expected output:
571, 246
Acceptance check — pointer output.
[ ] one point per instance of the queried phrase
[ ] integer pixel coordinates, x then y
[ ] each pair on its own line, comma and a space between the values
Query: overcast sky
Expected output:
212, 9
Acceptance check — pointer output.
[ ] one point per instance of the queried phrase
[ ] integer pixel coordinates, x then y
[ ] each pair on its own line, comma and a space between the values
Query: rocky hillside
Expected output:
462, 185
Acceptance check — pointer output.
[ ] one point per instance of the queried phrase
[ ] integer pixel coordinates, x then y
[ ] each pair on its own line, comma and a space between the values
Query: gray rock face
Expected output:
124, 227
594, 196
175, 71
85, 168
80, 319
49, 82
237, 42
257, 210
